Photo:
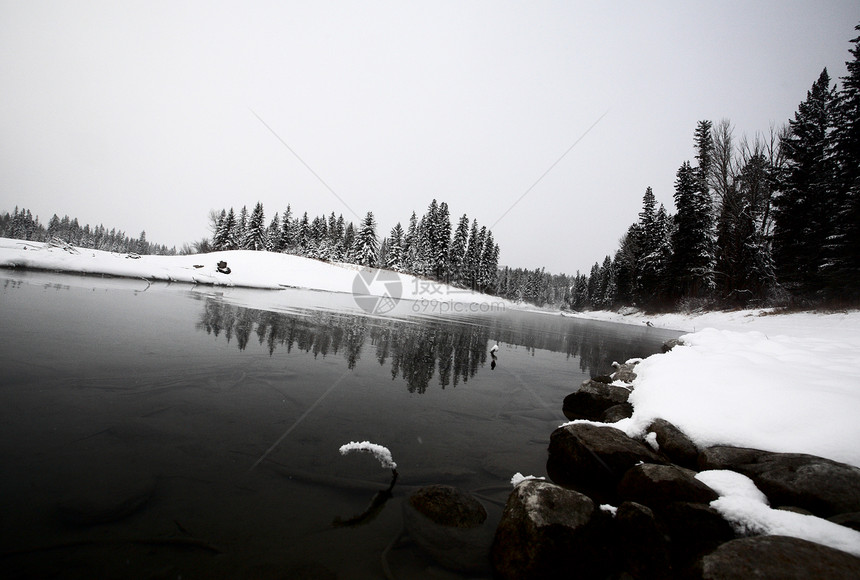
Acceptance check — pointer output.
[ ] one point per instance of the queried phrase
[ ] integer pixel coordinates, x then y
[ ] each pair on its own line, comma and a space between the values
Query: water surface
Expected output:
158, 431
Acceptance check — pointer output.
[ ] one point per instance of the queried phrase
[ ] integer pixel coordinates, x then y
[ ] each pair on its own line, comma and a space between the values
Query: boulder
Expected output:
592, 399
695, 529
670, 344
776, 557
448, 525
593, 459
616, 412
642, 543
548, 532
624, 373
822, 486
652, 485
674, 444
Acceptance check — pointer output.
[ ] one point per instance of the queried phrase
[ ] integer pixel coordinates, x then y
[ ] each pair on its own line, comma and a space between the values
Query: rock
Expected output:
616, 412
674, 444
447, 524
776, 557
592, 399
849, 520
547, 531
606, 379
671, 343
448, 506
643, 544
593, 459
695, 529
824, 487
624, 373
652, 485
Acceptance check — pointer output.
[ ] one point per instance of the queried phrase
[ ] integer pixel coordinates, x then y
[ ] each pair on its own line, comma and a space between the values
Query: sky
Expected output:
545, 121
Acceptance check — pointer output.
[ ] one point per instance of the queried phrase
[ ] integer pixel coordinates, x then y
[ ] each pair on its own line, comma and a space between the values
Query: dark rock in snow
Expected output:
849, 520
822, 486
695, 529
617, 412
652, 485
624, 373
674, 444
548, 532
592, 399
777, 557
671, 343
593, 459
606, 379
642, 543
447, 524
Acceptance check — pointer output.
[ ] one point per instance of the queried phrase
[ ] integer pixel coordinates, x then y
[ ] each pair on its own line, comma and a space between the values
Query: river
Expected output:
167, 430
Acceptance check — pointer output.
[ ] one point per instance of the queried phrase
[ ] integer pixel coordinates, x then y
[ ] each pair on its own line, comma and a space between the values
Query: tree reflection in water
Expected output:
420, 348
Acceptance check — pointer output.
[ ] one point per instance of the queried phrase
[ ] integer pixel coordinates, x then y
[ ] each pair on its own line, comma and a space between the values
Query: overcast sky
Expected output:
141, 115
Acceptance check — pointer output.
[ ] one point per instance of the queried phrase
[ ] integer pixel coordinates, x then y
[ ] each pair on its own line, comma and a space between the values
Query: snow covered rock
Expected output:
593, 459
653, 485
824, 487
592, 399
448, 525
624, 372
547, 531
776, 557
674, 444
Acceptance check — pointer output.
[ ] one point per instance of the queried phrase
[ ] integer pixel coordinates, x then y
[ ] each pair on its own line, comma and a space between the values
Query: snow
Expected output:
746, 508
754, 378
746, 389
518, 478
382, 453
248, 269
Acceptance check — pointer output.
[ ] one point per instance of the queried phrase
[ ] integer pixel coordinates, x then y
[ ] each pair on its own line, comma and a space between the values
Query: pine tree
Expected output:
804, 207
457, 252
842, 271
394, 259
693, 257
489, 265
273, 234
410, 245
255, 233
366, 243
287, 240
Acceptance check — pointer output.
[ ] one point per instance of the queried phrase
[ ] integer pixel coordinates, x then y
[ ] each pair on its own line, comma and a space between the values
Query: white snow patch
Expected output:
651, 439
381, 452
745, 508
611, 509
732, 483
518, 478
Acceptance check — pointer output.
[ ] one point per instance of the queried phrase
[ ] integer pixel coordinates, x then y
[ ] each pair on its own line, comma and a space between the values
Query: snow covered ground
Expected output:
778, 382
261, 270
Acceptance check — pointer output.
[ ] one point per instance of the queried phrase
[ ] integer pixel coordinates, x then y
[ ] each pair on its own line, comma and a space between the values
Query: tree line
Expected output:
22, 225
468, 256
775, 220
